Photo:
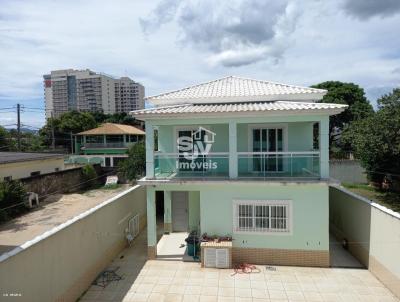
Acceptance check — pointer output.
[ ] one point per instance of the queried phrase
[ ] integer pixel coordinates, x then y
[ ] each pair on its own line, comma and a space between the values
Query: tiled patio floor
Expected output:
339, 257
172, 246
176, 281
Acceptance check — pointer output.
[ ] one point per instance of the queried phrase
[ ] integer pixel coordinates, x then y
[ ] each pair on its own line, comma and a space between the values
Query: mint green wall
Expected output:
310, 206
300, 137
194, 210
166, 138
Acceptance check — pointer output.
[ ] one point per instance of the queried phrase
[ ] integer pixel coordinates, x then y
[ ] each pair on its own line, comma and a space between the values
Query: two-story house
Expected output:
243, 158
106, 145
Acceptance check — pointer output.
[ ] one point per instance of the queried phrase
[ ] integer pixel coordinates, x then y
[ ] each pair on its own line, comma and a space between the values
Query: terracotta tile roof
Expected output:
110, 128
239, 108
231, 89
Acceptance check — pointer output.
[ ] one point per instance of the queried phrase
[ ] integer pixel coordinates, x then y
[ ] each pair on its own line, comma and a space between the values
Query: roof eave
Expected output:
295, 97
187, 115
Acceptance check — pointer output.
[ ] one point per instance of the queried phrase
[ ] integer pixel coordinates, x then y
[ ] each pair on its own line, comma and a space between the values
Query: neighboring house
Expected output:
259, 181
105, 145
16, 165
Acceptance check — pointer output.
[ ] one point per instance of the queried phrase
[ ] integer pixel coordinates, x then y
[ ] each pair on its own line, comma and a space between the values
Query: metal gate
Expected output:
133, 226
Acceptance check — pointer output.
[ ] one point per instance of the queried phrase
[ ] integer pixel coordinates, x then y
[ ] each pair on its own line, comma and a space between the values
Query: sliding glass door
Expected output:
184, 163
267, 140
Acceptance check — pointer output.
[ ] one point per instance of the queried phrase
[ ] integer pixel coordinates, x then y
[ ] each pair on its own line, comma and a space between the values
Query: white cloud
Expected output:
274, 40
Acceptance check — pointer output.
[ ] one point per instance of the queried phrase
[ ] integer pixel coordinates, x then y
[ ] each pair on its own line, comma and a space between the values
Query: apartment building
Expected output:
235, 158
129, 95
86, 90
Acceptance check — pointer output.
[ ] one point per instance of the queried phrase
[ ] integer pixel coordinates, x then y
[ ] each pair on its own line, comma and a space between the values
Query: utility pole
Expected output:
19, 126
72, 143
53, 140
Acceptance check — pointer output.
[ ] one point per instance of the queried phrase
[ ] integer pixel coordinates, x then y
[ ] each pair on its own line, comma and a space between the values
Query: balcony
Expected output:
250, 165
105, 145
177, 165
279, 165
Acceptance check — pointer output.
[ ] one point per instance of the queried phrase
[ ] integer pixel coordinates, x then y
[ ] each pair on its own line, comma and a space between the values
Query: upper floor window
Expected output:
262, 216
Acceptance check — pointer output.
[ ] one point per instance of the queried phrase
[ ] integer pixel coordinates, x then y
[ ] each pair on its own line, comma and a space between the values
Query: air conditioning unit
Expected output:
216, 257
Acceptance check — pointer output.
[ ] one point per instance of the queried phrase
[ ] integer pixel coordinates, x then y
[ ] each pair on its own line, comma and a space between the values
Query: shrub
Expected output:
90, 175
12, 193
135, 164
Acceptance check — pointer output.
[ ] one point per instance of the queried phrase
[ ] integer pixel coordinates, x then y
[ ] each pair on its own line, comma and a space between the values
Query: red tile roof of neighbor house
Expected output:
110, 129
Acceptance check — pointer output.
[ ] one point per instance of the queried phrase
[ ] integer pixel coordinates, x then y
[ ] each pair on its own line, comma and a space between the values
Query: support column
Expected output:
233, 160
104, 140
167, 212
151, 224
324, 146
149, 150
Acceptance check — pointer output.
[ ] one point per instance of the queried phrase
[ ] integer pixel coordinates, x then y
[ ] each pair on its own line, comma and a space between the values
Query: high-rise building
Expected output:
129, 95
85, 90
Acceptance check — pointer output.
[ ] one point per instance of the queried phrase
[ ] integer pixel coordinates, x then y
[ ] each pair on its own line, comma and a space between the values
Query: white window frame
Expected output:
283, 126
269, 231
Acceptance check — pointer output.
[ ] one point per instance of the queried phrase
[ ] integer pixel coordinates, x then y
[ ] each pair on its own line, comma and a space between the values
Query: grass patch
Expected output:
111, 187
388, 199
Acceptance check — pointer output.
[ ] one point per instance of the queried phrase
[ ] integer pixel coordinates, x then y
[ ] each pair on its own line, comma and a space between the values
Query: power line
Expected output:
58, 191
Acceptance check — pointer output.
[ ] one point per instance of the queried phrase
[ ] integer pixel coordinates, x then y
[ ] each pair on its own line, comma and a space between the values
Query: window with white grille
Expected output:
262, 216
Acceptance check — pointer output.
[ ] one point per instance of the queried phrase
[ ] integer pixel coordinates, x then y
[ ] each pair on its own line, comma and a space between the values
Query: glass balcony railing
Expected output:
105, 145
178, 165
255, 165
278, 165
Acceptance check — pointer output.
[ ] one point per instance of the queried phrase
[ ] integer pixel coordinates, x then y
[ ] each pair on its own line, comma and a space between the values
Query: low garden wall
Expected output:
61, 264
373, 233
65, 181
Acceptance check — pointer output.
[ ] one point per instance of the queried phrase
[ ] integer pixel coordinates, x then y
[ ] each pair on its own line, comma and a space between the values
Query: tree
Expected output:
4, 139
135, 164
348, 94
120, 118
69, 122
376, 139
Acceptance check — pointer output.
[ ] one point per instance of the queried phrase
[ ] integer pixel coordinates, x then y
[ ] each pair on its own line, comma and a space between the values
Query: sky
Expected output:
170, 44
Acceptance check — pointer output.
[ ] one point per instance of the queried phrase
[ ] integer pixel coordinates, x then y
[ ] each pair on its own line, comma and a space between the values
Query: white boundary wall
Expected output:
60, 264
384, 257
373, 232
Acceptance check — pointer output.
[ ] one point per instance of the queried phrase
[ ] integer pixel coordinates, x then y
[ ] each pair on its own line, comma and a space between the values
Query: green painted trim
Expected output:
104, 151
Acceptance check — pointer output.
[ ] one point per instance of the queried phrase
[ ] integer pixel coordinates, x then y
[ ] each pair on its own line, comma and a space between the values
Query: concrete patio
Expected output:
177, 281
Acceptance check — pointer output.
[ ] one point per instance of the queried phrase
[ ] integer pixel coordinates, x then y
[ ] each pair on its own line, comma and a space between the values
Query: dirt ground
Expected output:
53, 211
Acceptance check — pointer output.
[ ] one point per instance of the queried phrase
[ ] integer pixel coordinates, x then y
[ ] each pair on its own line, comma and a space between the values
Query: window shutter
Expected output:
210, 257
222, 260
